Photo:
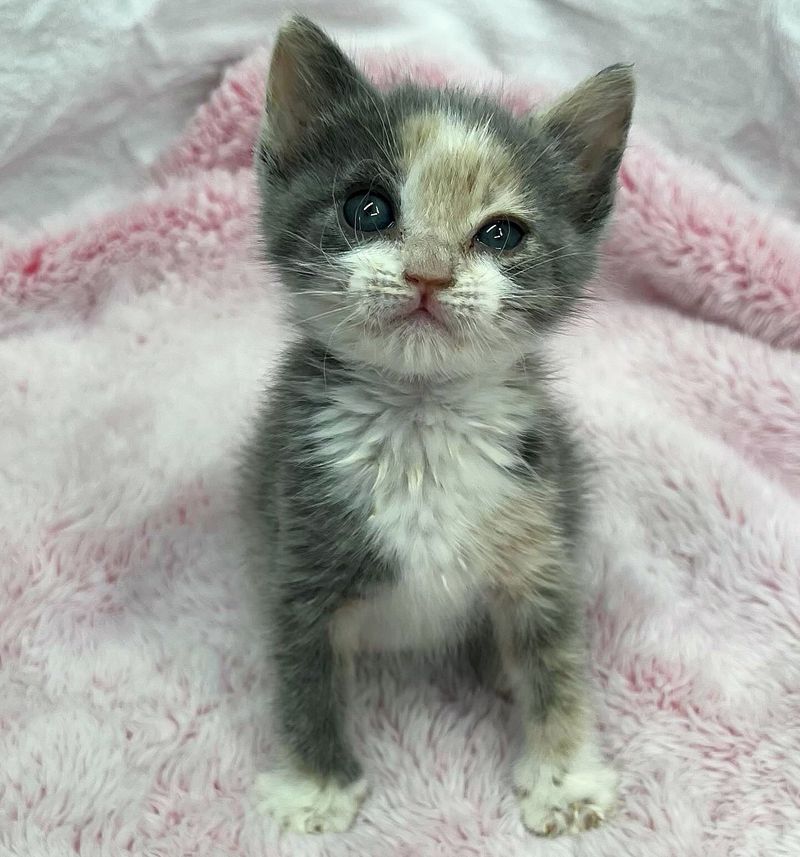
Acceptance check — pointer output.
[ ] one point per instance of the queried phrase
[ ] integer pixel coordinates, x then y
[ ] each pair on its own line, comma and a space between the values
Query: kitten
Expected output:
410, 483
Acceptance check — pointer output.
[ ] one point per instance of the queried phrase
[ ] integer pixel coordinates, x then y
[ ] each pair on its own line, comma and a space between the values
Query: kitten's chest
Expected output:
424, 469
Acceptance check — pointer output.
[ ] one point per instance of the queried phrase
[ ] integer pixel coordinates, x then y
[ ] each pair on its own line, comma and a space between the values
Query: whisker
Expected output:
323, 314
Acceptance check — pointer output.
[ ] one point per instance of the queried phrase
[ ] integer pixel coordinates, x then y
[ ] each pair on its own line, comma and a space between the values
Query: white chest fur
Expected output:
426, 465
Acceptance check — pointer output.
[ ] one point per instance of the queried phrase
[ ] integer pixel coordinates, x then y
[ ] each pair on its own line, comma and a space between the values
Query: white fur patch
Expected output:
569, 798
426, 465
306, 805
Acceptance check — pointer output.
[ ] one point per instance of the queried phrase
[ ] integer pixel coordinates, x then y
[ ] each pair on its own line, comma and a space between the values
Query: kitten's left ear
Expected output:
589, 127
308, 73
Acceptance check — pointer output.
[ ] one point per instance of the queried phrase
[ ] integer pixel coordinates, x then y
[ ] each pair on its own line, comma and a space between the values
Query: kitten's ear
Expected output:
589, 127
308, 73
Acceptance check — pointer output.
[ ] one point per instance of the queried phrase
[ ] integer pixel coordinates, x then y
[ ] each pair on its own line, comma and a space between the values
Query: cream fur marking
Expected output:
305, 805
525, 556
456, 176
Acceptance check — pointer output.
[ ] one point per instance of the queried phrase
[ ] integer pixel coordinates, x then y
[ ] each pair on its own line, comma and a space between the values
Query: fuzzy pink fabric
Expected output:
133, 687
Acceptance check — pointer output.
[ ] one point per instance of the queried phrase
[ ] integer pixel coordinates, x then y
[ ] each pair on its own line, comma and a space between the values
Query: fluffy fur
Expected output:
133, 680
411, 483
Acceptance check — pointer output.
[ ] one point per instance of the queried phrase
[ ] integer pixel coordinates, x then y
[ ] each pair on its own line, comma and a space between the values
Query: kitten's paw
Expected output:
307, 805
557, 800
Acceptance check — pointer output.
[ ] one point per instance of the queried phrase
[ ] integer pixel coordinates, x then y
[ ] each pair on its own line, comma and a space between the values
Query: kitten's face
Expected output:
424, 232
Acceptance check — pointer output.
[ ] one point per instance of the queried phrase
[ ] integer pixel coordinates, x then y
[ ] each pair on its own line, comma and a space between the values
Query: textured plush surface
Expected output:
132, 685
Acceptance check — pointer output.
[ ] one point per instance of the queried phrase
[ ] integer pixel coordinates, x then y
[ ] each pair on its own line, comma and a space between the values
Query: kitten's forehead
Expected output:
456, 172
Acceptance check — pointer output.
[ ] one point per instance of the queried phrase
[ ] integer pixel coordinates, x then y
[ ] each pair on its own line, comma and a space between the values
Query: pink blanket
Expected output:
132, 703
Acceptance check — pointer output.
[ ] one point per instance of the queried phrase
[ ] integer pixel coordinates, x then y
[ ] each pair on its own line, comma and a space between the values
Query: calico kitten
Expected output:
410, 483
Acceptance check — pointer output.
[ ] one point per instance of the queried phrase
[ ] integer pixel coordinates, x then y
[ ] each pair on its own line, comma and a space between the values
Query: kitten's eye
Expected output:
368, 211
499, 235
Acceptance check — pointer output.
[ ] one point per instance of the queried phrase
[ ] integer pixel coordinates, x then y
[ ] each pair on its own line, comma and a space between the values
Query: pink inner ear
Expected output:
307, 72
280, 81
595, 117
609, 137
287, 100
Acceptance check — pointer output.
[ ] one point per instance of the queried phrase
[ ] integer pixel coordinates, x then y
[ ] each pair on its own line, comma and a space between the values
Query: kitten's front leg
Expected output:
562, 783
321, 788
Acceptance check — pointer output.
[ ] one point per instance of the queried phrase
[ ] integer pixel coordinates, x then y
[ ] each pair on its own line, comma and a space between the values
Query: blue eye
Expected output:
368, 211
499, 235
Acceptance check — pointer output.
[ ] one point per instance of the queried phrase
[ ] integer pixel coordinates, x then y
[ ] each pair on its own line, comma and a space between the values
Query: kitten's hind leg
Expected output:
320, 788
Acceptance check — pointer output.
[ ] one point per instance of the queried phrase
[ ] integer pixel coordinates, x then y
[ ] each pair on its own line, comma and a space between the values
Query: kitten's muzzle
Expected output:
427, 305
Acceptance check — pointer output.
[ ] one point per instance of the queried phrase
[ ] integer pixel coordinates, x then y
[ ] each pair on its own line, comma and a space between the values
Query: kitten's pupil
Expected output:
368, 211
499, 235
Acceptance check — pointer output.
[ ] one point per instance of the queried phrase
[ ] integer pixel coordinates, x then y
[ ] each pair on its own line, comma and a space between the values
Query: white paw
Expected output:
307, 805
555, 800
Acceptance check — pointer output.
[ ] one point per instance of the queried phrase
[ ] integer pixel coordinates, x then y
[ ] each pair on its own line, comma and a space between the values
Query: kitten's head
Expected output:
430, 232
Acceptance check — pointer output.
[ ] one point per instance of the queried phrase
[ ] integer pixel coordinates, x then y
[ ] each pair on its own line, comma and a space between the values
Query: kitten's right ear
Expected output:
308, 73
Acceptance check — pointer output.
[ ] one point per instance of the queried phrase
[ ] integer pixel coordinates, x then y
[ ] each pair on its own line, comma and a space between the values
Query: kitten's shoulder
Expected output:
551, 451
301, 382
279, 433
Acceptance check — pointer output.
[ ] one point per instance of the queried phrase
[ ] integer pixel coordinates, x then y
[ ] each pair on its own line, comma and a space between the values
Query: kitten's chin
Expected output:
424, 347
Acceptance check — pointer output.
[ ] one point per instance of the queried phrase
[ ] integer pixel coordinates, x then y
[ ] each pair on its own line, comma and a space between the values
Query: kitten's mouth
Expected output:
424, 314
427, 311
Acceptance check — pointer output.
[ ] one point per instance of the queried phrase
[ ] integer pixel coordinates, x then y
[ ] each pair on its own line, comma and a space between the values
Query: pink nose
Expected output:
424, 283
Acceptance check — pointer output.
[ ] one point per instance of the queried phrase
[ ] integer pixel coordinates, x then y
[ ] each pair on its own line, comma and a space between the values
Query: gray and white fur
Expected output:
410, 483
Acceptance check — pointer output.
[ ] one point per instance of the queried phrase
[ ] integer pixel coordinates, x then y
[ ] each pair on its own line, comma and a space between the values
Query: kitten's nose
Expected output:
427, 283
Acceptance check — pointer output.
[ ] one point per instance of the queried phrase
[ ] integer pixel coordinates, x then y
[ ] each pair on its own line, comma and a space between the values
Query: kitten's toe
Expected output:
307, 805
568, 800
555, 820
